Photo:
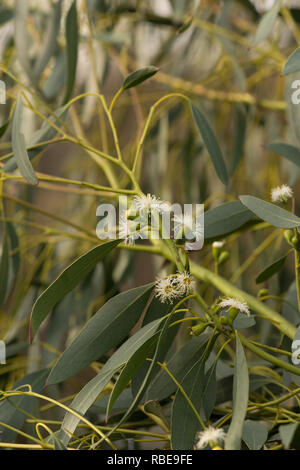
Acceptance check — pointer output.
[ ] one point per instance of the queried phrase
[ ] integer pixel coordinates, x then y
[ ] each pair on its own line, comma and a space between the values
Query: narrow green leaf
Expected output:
292, 65
270, 213
139, 76
87, 396
267, 23
163, 386
211, 143
240, 136
4, 267
128, 372
290, 435
226, 219
240, 399
19, 146
45, 133
254, 434
21, 35
14, 246
185, 423
72, 40
164, 348
66, 282
3, 128
106, 329
274, 268
287, 151
50, 41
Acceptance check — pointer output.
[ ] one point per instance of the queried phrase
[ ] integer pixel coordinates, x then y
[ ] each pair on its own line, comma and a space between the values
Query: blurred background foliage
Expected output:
203, 49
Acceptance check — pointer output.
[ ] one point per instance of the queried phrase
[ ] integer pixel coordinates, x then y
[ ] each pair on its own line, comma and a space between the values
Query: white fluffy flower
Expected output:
281, 193
210, 436
185, 283
166, 289
234, 303
148, 203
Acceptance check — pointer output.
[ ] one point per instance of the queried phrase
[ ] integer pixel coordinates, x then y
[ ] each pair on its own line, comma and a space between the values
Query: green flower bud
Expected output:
296, 242
288, 235
198, 329
262, 293
223, 258
232, 314
224, 320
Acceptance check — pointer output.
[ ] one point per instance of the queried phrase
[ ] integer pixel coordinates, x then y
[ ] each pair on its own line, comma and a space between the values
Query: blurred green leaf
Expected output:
66, 282
211, 143
290, 152
19, 146
50, 41
139, 76
72, 40
254, 434
226, 219
267, 23
6, 14
292, 65
14, 246
240, 399
270, 213
4, 128
4, 267
274, 268
290, 435
45, 133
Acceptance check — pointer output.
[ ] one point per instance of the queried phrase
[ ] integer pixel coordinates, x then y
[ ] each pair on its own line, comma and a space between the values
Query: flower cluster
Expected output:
169, 288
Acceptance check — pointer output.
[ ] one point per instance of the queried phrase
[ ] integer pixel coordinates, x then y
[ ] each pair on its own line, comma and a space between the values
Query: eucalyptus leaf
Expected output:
72, 40
225, 219
254, 434
66, 282
185, 423
50, 41
267, 23
106, 329
13, 411
19, 146
270, 213
290, 435
45, 133
4, 128
287, 151
88, 395
240, 399
211, 144
292, 65
139, 76
271, 270
162, 385
4, 267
